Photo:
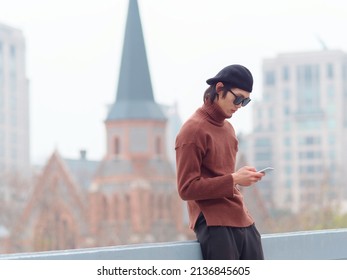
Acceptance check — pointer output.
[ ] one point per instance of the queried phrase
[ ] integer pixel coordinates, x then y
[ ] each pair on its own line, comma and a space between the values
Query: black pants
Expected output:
228, 243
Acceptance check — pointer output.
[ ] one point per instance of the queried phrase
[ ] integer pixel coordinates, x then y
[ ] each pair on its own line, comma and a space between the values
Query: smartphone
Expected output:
266, 170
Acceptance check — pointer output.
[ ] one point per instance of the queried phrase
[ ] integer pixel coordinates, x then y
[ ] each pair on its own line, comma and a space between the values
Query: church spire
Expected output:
134, 99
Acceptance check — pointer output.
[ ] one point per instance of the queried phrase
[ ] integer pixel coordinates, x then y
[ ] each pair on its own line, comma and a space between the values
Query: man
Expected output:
206, 148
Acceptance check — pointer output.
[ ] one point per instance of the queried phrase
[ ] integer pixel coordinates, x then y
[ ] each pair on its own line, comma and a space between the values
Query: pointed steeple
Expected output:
134, 99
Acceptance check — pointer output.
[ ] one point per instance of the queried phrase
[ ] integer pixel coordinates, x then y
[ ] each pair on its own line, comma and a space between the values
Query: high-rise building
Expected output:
300, 129
14, 107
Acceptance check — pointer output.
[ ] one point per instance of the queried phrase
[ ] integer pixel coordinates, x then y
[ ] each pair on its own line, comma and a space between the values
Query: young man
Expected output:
206, 148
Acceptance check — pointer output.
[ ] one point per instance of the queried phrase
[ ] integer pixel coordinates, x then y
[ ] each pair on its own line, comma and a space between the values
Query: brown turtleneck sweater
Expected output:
206, 148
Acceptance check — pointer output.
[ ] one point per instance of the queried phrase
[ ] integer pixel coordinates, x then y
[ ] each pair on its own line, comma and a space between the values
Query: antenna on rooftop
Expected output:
321, 42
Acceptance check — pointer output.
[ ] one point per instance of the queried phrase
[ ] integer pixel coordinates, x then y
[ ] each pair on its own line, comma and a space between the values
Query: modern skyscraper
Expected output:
300, 129
14, 106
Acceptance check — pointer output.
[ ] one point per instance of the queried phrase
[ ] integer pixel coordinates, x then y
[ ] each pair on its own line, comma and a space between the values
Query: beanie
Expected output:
235, 75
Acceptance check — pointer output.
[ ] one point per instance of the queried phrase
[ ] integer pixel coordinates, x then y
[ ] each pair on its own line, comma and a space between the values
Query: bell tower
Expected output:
134, 195
135, 125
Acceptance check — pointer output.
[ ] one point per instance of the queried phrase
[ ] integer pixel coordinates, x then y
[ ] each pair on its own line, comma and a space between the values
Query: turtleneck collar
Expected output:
215, 114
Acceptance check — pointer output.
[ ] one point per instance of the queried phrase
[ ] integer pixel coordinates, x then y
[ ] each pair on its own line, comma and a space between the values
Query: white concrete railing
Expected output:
313, 245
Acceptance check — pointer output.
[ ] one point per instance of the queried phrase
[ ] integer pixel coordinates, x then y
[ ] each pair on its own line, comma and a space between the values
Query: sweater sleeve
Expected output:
191, 185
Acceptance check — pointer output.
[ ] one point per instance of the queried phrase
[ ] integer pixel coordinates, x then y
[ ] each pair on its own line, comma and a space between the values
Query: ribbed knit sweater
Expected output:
206, 148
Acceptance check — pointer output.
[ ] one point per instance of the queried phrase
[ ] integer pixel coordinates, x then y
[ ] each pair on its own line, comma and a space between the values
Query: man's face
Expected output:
227, 103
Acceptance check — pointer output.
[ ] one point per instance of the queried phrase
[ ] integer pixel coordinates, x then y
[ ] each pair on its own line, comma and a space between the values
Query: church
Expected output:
130, 195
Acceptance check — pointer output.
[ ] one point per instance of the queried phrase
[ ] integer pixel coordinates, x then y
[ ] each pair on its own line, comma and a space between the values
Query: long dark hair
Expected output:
211, 92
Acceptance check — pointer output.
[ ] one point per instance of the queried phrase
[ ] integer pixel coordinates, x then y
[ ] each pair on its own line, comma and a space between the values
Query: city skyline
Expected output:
74, 51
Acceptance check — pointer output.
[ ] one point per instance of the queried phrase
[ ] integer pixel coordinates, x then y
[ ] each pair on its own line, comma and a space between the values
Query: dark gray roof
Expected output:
134, 98
82, 170
136, 110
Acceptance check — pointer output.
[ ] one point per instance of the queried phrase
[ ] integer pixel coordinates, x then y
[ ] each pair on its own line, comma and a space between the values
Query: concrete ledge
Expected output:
313, 245
307, 245
185, 250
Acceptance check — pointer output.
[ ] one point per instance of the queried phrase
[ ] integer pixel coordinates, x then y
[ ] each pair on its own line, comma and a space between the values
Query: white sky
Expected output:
74, 49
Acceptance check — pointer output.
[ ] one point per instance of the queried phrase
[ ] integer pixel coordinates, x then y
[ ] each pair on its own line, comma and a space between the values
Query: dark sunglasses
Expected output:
240, 99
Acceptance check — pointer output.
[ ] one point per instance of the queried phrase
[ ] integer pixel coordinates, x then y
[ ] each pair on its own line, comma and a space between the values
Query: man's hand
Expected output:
246, 176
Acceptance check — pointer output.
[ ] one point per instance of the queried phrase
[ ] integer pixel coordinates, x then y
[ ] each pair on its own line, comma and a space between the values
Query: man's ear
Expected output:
219, 87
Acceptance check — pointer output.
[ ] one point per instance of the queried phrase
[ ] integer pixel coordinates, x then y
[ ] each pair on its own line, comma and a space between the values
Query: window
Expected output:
288, 184
309, 90
310, 169
13, 52
287, 126
287, 156
263, 156
263, 142
12, 68
330, 71
287, 141
158, 150
332, 123
331, 140
310, 125
13, 119
269, 78
288, 170
286, 94
13, 85
105, 208
116, 146
310, 155
308, 75
116, 207
259, 127
309, 140
332, 155
285, 73
331, 109
13, 102
331, 91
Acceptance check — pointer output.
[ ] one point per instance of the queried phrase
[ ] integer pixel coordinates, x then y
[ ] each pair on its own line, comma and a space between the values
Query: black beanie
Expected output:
235, 75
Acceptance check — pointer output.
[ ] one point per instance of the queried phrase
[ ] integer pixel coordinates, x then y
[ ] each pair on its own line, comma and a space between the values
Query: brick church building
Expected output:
130, 195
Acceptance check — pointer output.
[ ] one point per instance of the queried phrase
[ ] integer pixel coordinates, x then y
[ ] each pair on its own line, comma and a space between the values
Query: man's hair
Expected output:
211, 93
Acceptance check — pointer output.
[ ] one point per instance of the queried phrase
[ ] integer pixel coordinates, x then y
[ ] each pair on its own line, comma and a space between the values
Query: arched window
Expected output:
116, 210
116, 146
105, 208
158, 149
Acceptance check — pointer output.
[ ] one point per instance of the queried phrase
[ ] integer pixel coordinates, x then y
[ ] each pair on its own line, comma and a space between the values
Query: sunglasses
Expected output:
240, 100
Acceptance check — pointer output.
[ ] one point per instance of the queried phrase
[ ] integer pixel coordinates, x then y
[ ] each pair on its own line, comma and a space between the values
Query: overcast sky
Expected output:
74, 49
